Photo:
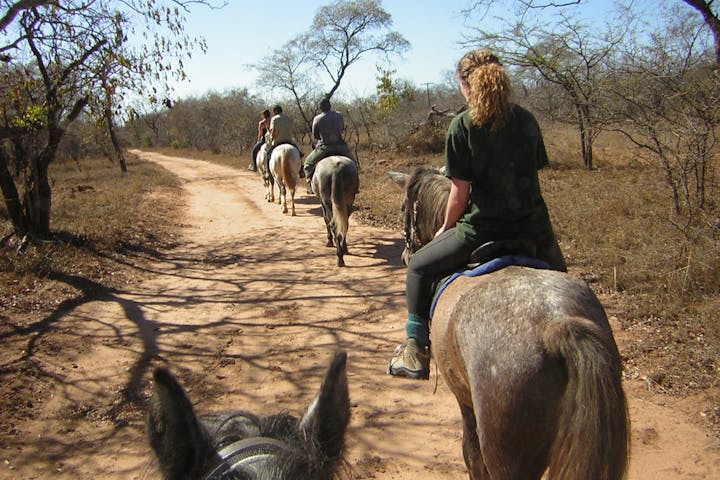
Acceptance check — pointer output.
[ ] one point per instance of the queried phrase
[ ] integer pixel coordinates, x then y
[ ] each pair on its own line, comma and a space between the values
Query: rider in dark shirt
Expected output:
493, 152
327, 130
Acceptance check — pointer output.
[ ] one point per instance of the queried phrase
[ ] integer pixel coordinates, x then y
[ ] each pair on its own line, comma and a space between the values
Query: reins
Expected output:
243, 454
411, 232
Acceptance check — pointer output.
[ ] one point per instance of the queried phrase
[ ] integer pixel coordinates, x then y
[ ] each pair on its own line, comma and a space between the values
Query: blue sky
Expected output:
245, 32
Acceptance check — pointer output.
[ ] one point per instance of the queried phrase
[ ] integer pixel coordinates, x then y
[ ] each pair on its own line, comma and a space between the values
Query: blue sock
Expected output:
416, 327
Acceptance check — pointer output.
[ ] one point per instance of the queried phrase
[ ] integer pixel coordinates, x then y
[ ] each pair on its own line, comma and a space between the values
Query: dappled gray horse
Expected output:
240, 445
530, 357
336, 182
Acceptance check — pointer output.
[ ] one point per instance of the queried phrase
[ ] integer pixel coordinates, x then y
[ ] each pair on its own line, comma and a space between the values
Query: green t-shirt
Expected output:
505, 199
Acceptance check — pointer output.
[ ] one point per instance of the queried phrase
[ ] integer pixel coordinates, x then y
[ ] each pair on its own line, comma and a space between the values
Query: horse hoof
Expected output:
329, 244
341, 262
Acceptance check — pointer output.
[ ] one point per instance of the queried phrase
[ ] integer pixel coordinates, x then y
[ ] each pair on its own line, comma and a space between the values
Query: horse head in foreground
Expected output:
285, 166
240, 445
336, 182
532, 361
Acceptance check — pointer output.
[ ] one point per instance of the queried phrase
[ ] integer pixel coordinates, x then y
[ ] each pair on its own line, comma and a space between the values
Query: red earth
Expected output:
247, 308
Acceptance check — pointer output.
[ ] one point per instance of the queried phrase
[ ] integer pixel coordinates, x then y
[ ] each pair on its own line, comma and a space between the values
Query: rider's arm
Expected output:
456, 204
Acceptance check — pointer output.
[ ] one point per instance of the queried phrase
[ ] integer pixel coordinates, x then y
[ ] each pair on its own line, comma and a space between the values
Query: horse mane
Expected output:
426, 195
190, 446
306, 460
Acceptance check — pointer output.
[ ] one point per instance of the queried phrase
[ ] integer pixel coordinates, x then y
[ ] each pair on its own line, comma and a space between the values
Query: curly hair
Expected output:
489, 88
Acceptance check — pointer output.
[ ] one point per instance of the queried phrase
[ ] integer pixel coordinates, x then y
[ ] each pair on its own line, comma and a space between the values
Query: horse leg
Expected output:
471, 446
283, 196
292, 201
328, 225
340, 251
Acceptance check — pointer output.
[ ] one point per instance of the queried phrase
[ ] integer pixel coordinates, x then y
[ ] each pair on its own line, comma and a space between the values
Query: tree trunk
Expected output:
11, 196
585, 130
38, 198
712, 21
114, 140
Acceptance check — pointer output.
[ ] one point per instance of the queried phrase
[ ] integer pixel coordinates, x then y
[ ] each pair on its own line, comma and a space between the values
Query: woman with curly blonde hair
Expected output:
493, 151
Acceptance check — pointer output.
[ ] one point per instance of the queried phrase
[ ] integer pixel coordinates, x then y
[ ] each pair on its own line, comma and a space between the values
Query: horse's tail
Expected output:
592, 437
290, 172
339, 206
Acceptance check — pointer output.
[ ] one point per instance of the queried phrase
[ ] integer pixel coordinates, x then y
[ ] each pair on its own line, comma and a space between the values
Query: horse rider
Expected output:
327, 130
493, 152
281, 131
263, 128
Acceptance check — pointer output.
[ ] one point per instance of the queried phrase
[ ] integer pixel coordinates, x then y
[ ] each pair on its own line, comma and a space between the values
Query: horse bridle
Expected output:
243, 455
410, 227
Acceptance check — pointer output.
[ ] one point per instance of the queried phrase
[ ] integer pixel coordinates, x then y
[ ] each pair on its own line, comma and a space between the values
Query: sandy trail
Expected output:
247, 309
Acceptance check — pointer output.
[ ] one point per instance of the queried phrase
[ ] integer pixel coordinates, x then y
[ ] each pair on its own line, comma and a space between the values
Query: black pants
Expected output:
439, 258
321, 152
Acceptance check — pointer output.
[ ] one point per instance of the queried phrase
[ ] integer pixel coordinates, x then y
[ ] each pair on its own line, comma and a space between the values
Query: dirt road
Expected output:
247, 309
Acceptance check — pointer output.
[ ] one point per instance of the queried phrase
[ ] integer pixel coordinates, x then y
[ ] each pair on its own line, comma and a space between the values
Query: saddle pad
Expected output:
489, 267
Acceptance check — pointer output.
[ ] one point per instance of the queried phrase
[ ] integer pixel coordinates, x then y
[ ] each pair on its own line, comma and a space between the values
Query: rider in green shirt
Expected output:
493, 152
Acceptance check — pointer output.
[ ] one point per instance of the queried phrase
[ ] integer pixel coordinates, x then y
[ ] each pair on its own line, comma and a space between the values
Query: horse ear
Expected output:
399, 178
328, 415
175, 434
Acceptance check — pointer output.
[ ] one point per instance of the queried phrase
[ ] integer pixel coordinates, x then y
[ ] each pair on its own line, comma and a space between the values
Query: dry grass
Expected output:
99, 217
612, 224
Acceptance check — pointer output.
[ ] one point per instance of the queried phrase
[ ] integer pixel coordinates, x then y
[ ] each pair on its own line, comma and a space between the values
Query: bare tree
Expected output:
345, 31
564, 52
670, 106
341, 34
288, 69
710, 17
61, 57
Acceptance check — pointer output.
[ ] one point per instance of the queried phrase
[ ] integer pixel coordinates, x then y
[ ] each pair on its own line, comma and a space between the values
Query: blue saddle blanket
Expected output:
489, 267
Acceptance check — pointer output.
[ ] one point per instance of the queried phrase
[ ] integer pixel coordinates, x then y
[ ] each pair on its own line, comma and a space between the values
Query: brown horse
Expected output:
532, 362
243, 446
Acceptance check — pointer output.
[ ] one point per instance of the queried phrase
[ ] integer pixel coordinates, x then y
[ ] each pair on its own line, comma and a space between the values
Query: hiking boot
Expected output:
410, 361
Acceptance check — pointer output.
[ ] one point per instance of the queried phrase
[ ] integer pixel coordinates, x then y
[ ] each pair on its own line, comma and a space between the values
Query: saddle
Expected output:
490, 257
499, 248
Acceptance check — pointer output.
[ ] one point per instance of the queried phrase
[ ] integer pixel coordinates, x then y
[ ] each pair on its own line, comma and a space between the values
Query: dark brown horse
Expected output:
532, 361
243, 446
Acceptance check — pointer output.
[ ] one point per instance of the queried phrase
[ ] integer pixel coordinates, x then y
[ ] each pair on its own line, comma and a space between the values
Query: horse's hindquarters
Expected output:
530, 352
336, 183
